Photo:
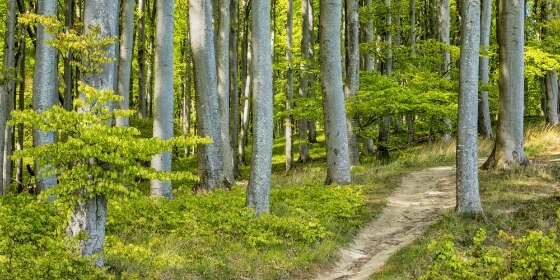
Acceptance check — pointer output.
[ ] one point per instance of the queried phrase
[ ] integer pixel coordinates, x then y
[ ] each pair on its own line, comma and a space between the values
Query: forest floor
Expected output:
418, 203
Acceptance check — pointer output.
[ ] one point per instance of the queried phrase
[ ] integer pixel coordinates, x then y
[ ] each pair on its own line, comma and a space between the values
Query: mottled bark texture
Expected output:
289, 86
258, 188
234, 85
45, 87
223, 88
206, 91
125, 59
551, 81
508, 149
468, 197
484, 123
444, 38
338, 161
163, 92
305, 77
90, 214
352, 76
141, 46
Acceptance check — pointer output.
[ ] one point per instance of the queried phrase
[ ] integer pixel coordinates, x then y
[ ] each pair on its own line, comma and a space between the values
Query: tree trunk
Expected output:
142, 110
484, 123
21, 107
444, 35
305, 75
258, 189
234, 85
508, 149
338, 161
206, 89
163, 98
246, 84
290, 85
45, 87
68, 79
224, 90
468, 197
551, 81
90, 214
352, 75
125, 59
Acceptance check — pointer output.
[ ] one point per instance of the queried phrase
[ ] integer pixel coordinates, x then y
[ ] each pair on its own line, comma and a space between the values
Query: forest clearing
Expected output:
281, 139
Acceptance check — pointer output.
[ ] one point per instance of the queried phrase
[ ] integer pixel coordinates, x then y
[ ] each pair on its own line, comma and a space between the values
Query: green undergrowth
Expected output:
518, 238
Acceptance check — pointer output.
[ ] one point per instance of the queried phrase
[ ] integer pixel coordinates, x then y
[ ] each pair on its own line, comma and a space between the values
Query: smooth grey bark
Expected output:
468, 197
508, 149
206, 90
290, 85
163, 92
90, 214
247, 96
21, 107
338, 161
141, 45
551, 82
234, 85
223, 88
258, 188
352, 76
68, 81
45, 87
388, 69
368, 38
484, 123
305, 77
7, 85
125, 59
444, 37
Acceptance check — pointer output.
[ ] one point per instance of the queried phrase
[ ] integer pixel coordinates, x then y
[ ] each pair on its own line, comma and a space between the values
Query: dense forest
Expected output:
226, 139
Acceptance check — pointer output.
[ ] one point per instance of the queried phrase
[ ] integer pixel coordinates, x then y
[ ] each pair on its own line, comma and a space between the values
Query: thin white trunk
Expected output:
125, 59
163, 91
338, 162
484, 123
468, 197
223, 89
508, 150
45, 87
290, 85
206, 89
258, 188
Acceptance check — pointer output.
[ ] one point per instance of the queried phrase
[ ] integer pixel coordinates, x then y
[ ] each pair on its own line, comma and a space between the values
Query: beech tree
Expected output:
290, 85
484, 124
7, 86
258, 189
90, 214
468, 198
338, 161
210, 165
45, 85
352, 74
125, 58
508, 148
163, 98
307, 55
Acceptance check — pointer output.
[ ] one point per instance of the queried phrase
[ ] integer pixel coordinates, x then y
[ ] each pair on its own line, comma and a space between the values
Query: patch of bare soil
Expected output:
415, 205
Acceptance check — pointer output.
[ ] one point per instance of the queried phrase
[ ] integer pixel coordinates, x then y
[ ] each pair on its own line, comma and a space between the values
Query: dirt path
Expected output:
415, 205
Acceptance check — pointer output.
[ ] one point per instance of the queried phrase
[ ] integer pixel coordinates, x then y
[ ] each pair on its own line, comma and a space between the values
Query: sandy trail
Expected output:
416, 204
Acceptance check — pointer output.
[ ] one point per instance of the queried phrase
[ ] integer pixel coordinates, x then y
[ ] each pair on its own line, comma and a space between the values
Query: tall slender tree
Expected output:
290, 85
234, 84
352, 74
90, 214
484, 124
338, 161
258, 189
305, 75
141, 56
444, 19
468, 197
163, 98
223, 88
125, 58
508, 148
206, 90
45, 85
